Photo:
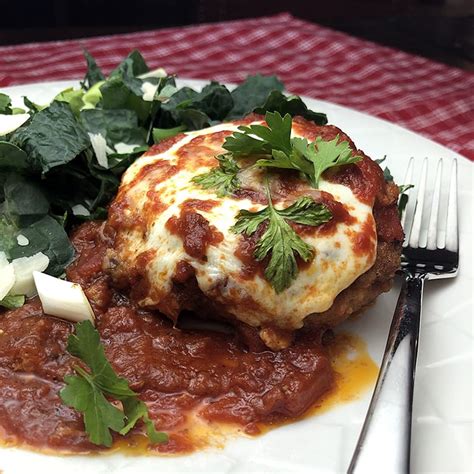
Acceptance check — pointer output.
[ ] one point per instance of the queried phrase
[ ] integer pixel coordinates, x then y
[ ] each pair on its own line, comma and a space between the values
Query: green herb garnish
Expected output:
222, 179
402, 189
282, 151
279, 238
87, 391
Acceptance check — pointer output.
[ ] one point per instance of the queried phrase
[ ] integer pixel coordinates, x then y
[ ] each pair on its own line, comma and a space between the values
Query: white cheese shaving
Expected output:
62, 298
24, 268
100, 148
22, 240
149, 91
124, 148
159, 72
80, 210
9, 123
7, 276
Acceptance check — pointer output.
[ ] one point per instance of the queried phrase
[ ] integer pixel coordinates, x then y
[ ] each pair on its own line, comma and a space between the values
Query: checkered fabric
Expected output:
422, 95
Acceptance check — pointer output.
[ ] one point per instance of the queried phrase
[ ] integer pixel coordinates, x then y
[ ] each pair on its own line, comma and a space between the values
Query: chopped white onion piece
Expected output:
100, 148
63, 299
24, 268
7, 276
9, 123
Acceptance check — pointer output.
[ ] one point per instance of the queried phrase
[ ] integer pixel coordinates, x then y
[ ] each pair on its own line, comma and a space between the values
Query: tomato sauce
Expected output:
195, 231
188, 378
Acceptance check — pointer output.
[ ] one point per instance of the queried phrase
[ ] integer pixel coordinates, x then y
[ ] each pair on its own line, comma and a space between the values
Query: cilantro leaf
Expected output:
87, 391
222, 179
279, 239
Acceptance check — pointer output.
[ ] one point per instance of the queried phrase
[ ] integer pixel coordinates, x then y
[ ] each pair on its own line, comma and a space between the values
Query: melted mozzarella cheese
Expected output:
335, 266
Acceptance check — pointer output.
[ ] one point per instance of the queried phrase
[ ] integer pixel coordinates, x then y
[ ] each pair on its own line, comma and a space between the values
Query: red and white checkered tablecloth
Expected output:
422, 95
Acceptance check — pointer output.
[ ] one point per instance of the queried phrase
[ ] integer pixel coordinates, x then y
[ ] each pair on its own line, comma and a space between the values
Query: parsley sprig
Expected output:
282, 151
87, 391
279, 239
222, 179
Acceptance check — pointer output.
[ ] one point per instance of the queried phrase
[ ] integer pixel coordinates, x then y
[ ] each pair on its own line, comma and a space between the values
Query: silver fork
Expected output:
428, 253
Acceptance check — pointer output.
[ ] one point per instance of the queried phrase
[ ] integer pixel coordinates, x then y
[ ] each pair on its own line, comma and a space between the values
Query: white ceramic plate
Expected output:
443, 420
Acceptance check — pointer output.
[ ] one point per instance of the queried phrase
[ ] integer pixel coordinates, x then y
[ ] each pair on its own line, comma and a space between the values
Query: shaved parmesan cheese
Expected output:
9, 123
63, 299
100, 148
24, 268
149, 91
7, 276
124, 148
22, 240
159, 72
80, 210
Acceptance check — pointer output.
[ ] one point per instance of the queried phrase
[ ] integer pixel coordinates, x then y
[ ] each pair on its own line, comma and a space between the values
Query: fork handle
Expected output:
384, 442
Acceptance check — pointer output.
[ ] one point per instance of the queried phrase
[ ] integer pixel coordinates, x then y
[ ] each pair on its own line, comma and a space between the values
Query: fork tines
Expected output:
431, 243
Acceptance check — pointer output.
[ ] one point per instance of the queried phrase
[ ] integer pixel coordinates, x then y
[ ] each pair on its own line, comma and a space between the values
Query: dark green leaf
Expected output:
117, 126
251, 94
12, 157
33, 108
197, 110
48, 236
133, 62
293, 105
8, 232
5, 104
24, 197
124, 92
53, 137
93, 74
403, 198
